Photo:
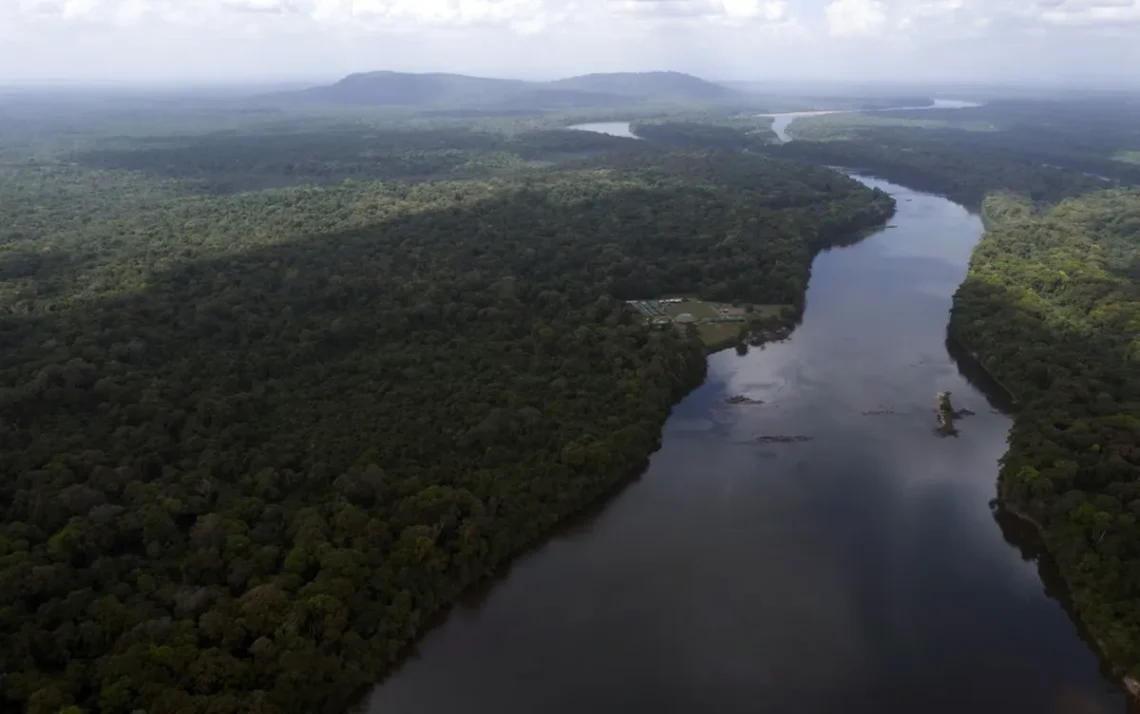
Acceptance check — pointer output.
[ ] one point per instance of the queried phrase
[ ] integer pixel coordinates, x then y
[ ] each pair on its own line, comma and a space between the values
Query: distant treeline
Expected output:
232, 162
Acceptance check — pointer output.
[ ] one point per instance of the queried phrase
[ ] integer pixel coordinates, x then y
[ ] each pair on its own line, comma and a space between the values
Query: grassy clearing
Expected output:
697, 308
719, 335
703, 310
714, 331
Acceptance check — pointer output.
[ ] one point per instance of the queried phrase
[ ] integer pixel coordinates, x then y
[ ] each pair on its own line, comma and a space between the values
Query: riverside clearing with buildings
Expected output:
718, 324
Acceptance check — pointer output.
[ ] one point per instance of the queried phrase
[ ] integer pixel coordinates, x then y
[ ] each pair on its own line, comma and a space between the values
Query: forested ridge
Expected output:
252, 442
1052, 308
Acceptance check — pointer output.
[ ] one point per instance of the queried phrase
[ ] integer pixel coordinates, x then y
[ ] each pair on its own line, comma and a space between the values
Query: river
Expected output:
781, 122
613, 128
859, 572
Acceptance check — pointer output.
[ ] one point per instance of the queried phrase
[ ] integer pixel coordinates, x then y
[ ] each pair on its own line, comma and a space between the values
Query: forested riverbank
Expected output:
1052, 308
272, 397
964, 173
256, 439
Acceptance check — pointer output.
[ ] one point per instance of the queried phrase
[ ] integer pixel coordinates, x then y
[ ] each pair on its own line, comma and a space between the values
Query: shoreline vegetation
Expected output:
1051, 309
203, 517
946, 415
265, 423
1047, 313
1130, 682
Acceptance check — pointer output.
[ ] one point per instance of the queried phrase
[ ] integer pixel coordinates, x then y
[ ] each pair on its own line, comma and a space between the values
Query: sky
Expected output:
236, 41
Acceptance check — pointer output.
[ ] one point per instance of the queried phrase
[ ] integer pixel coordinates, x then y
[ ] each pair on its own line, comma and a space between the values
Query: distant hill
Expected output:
399, 88
651, 86
439, 90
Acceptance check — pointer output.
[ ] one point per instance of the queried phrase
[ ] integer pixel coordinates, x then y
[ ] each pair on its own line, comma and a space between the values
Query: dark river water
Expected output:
861, 571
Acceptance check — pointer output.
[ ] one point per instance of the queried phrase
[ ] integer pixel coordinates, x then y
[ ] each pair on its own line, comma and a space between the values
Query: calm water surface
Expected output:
859, 572
613, 128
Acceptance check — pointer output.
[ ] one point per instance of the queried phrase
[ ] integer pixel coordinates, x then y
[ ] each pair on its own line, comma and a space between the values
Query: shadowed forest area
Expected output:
253, 439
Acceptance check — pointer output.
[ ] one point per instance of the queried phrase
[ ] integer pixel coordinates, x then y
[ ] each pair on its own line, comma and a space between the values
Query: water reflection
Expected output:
613, 128
860, 571
1023, 536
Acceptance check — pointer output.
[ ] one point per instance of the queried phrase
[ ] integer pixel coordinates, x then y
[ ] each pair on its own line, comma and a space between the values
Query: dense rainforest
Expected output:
1048, 150
705, 134
231, 162
963, 160
1052, 308
276, 392
964, 173
1093, 136
253, 439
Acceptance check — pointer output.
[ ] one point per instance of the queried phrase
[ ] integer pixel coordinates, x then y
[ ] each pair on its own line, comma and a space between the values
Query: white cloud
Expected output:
393, 14
65, 9
1091, 13
843, 18
927, 21
261, 6
853, 18
767, 11
743, 38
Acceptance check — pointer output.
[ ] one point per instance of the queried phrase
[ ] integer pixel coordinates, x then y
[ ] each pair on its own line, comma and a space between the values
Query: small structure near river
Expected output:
719, 325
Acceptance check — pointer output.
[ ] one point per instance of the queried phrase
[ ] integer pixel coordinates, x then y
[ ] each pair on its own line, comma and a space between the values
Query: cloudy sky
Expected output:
239, 40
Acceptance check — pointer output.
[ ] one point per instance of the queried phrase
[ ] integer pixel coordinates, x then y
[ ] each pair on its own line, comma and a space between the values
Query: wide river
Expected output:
859, 572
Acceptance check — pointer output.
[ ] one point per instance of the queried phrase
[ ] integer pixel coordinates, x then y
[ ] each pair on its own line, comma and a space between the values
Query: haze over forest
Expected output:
449, 356
237, 41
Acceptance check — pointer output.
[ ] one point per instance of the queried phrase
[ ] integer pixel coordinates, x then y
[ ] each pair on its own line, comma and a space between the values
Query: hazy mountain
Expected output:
398, 88
457, 90
651, 86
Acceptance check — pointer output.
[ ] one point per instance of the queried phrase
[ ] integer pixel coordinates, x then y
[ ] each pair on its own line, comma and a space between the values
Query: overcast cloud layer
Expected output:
239, 40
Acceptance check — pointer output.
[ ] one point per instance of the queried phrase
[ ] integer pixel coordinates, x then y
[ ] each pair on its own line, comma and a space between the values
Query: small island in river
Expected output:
741, 399
783, 439
946, 415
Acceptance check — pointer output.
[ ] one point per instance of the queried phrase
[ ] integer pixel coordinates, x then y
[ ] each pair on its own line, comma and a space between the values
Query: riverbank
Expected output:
1131, 683
686, 591
1069, 470
1010, 504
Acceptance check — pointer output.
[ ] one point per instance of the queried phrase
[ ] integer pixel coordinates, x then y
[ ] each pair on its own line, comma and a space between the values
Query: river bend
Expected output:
859, 572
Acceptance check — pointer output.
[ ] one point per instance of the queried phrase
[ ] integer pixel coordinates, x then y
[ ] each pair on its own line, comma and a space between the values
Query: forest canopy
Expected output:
253, 439
1052, 308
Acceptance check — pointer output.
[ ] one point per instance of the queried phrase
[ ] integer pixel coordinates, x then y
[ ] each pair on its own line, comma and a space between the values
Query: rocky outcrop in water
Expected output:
759, 338
946, 415
782, 439
741, 399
